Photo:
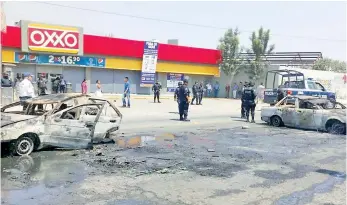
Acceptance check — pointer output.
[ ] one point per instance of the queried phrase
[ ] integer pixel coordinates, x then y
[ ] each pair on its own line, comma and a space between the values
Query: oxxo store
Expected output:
55, 50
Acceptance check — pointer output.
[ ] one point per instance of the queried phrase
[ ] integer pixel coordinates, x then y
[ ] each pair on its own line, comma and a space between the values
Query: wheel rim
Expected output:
337, 128
275, 121
24, 146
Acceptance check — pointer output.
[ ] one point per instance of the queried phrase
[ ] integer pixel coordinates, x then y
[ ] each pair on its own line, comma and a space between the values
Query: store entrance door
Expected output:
49, 78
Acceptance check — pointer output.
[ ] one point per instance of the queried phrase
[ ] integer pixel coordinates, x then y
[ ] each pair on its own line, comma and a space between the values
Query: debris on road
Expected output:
210, 150
163, 171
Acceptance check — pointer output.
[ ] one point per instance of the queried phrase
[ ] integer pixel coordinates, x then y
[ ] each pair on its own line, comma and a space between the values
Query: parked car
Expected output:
307, 112
59, 120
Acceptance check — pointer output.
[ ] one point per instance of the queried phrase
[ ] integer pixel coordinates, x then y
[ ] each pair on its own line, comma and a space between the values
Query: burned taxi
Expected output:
307, 112
61, 120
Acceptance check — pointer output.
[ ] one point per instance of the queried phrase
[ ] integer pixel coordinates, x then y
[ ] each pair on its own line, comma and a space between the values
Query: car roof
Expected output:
55, 98
312, 99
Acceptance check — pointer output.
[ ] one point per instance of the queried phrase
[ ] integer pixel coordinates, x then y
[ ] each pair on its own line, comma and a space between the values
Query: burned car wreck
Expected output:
63, 120
307, 112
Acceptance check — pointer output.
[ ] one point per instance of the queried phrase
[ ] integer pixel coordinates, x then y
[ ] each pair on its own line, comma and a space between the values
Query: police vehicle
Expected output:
292, 82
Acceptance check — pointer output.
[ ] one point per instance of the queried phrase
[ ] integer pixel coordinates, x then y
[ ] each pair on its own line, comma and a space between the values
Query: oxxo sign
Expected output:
56, 39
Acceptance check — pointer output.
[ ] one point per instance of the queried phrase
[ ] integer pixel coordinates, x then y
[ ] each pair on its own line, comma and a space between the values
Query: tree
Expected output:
260, 47
229, 46
328, 64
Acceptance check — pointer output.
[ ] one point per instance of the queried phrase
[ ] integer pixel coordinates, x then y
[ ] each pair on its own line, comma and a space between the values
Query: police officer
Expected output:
280, 95
243, 109
156, 89
201, 90
176, 95
195, 93
248, 98
184, 100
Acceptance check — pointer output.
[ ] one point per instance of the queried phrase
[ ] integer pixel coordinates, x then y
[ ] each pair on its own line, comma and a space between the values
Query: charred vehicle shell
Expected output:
307, 112
62, 120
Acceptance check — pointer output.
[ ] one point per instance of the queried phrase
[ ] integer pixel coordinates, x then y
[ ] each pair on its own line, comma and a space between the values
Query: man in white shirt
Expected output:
26, 89
260, 92
209, 89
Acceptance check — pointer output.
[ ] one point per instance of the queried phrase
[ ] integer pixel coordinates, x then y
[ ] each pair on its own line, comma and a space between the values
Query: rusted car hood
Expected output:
338, 111
9, 118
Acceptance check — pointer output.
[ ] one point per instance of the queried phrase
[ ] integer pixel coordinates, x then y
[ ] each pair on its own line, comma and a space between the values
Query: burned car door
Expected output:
305, 115
67, 129
288, 114
288, 111
109, 120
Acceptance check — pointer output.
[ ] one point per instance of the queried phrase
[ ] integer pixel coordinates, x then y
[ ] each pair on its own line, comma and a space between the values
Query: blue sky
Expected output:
296, 26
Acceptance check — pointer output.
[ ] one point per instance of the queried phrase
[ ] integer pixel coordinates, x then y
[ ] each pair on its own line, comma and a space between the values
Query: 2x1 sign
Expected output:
55, 39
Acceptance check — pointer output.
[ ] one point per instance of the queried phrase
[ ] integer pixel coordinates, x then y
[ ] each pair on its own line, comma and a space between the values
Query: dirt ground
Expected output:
217, 158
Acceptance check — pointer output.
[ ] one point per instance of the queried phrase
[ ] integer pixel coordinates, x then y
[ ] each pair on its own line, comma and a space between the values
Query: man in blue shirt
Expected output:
126, 94
216, 89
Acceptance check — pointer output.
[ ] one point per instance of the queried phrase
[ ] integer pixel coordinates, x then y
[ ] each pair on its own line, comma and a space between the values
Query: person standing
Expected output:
248, 97
239, 90
216, 89
26, 89
98, 92
201, 90
209, 89
6, 81
62, 85
227, 90
55, 86
243, 108
156, 89
42, 86
16, 85
260, 92
234, 90
84, 87
126, 95
195, 93
184, 98
176, 95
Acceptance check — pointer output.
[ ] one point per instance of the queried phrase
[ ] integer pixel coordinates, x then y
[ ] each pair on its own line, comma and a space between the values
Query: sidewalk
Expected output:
145, 97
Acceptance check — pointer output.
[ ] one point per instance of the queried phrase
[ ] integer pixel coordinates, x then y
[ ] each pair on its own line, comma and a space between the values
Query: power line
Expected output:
181, 23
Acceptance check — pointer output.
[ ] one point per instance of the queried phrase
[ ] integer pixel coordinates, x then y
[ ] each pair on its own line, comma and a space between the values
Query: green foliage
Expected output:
229, 45
328, 64
260, 47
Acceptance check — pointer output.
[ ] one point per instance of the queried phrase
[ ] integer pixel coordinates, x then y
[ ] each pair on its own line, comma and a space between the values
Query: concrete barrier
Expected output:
7, 96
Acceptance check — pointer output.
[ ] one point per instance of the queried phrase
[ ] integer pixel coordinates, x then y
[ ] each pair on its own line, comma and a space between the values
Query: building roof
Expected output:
288, 58
109, 46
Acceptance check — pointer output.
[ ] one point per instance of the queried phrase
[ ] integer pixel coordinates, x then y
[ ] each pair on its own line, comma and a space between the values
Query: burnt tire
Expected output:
24, 146
337, 128
276, 121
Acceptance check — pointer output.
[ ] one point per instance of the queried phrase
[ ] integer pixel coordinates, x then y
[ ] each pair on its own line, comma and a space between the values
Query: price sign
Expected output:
71, 60
60, 60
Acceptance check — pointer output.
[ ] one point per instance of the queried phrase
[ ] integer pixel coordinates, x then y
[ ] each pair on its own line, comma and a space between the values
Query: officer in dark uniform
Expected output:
243, 109
176, 95
280, 95
248, 99
184, 100
195, 93
156, 89
201, 92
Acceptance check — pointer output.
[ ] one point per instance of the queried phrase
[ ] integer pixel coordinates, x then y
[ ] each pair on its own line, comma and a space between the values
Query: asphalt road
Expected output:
217, 158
